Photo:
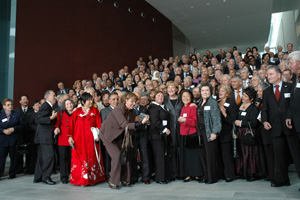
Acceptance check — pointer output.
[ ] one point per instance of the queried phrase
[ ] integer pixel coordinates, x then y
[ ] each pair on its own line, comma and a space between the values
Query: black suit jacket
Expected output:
25, 132
294, 107
158, 115
15, 121
188, 74
276, 112
227, 122
32, 124
44, 132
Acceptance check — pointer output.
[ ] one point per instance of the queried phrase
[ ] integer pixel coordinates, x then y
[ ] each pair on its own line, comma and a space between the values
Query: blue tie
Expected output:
136, 110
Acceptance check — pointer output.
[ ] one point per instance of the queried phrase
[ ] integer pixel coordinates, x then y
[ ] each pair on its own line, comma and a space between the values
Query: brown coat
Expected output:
116, 123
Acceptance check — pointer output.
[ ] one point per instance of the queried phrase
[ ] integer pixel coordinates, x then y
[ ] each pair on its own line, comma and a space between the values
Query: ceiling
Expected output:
219, 23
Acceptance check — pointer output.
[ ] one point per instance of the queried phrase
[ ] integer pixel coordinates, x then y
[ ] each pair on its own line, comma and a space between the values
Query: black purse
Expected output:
249, 137
127, 151
23, 148
193, 140
234, 137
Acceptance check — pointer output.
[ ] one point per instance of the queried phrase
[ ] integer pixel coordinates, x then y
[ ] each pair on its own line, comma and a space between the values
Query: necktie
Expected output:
277, 93
136, 110
238, 98
24, 110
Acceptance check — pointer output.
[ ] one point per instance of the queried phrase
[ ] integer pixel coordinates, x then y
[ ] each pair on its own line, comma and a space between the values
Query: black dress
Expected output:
209, 154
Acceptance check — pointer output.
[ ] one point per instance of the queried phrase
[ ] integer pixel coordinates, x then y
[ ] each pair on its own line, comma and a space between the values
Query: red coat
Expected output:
85, 168
190, 113
64, 128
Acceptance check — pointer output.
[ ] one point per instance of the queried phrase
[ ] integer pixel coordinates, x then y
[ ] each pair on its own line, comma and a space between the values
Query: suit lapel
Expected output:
283, 91
272, 92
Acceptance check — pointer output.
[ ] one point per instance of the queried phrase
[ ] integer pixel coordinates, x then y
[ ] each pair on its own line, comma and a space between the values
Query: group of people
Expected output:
202, 118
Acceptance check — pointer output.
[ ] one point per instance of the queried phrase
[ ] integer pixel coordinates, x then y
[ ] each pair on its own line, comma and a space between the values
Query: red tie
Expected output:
277, 93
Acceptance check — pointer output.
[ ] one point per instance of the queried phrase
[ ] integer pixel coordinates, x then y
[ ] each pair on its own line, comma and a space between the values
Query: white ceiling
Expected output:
217, 23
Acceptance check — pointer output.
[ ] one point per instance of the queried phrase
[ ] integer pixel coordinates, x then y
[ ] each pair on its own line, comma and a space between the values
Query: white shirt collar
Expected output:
49, 104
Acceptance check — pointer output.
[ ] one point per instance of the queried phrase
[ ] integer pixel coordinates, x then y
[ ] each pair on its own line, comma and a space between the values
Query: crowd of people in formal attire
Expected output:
194, 118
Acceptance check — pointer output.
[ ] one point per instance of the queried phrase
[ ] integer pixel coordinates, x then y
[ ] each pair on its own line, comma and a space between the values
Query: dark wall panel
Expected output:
71, 39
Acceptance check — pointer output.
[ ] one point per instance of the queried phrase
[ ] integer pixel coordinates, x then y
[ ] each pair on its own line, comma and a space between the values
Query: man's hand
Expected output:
54, 115
289, 123
267, 126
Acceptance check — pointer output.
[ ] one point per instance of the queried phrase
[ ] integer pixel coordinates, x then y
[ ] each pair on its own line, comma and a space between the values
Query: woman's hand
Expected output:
223, 111
56, 131
193, 104
213, 137
182, 119
71, 141
168, 132
146, 119
238, 123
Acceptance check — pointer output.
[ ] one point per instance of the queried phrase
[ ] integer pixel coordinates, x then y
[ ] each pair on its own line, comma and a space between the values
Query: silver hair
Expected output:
195, 69
166, 74
295, 56
177, 68
229, 78
146, 94
137, 89
258, 77
275, 67
188, 77
244, 69
238, 77
263, 85
47, 94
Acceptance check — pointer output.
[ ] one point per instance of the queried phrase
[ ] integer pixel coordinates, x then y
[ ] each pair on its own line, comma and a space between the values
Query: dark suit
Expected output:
294, 109
226, 138
175, 129
106, 158
64, 91
183, 75
140, 141
44, 137
8, 142
32, 124
161, 143
283, 139
24, 137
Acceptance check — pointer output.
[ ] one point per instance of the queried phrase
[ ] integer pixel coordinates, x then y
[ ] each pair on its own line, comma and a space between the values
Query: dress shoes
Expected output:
250, 179
187, 179
126, 184
209, 182
65, 182
280, 185
49, 181
228, 180
113, 186
147, 182
37, 181
202, 181
162, 182
12, 177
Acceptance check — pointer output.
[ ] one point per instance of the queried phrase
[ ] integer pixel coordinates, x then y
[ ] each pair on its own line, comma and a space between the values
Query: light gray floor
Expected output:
23, 188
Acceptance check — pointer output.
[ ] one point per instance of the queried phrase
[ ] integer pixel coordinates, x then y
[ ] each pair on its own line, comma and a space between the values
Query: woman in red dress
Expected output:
87, 162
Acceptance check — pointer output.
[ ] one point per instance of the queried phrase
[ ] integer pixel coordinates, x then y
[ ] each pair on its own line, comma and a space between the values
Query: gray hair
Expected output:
146, 94
238, 77
165, 73
225, 75
137, 89
244, 69
47, 94
177, 68
263, 85
275, 67
258, 77
295, 56
188, 77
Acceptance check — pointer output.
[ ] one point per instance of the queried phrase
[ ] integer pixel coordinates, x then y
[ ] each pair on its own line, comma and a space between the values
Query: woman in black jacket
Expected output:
228, 115
246, 119
160, 138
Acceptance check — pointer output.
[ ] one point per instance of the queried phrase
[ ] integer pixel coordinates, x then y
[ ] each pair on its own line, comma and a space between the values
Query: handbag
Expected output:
234, 137
127, 151
193, 140
249, 137
23, 148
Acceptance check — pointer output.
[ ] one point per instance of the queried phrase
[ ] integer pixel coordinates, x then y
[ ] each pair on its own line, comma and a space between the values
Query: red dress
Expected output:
85, 167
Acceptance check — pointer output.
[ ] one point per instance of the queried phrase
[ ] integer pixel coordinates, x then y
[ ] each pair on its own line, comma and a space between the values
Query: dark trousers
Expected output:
65, 162
106, 160
31, 157
12, 151
141, 145
45, 162
269, 154
162, 166
281, 145
228, 161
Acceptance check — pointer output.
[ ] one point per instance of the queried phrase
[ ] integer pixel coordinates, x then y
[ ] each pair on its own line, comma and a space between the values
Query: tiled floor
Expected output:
23, 188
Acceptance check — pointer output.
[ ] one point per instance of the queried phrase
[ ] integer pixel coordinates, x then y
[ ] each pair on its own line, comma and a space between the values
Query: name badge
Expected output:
287, 95
298, 85
206, 107
164, 122
4, 120
184, 115
226, 105
243, 113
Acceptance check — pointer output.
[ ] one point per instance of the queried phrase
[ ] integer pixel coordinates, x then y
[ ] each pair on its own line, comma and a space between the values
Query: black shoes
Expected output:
228, 180
37, 181
113, 186
280, 185
49, 181
162, 182
12, 177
